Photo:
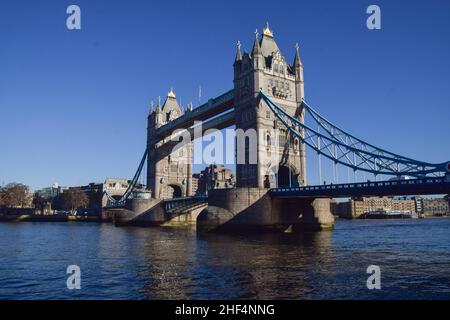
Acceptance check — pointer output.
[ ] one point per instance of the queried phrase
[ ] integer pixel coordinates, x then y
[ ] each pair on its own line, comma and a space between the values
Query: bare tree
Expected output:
15, 195
72, 199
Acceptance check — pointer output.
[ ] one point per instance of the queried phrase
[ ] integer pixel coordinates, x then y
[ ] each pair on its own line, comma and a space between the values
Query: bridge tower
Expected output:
280, 158
169, 169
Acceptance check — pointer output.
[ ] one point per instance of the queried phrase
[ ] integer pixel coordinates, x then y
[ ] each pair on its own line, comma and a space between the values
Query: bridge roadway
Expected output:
422, 186
208, 110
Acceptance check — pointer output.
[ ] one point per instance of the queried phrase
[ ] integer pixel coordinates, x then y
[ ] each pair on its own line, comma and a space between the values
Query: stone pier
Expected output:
253, 209
316, 215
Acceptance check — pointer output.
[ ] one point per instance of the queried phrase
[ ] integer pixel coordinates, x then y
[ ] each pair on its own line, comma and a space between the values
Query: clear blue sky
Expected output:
73, 104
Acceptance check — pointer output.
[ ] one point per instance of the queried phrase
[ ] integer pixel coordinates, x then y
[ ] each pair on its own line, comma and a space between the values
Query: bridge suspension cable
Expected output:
345, 149
128, 192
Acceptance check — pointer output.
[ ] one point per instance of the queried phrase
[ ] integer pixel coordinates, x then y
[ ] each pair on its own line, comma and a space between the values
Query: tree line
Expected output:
18, 195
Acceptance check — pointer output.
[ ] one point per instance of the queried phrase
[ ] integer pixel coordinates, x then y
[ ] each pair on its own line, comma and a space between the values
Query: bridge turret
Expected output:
238, 53
300, 95
152, 109
298, 71
171, 109
237, 60
156, 116
257, 56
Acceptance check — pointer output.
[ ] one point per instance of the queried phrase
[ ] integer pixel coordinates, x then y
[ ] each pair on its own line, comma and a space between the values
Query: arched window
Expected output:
268, 140
282, 138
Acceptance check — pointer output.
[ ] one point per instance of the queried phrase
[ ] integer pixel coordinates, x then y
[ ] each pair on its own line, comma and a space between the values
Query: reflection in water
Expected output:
264, 266
155, 263
240, 267
168, 258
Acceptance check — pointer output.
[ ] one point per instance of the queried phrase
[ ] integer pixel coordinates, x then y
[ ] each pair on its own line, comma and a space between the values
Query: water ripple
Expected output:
154, 263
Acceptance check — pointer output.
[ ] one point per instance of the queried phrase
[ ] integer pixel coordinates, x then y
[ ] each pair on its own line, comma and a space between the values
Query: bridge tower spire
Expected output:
300, 96
257, 55
280, 157
238, 52
298, 71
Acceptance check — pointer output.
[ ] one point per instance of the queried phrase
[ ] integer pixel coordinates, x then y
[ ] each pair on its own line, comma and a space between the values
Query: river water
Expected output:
155, 263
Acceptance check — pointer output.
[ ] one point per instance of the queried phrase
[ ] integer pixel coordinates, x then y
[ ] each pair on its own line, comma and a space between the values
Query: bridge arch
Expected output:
282, 176
172, 190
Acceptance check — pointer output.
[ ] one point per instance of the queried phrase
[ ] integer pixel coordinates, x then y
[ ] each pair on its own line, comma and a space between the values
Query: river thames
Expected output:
161, 263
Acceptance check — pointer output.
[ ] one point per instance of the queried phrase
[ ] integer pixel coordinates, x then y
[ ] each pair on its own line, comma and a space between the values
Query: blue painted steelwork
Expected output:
182, 205
343, 148
128, 192
436, 185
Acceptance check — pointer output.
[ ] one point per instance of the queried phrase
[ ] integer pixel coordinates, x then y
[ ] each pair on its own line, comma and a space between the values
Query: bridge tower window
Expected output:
282, 138
281, 70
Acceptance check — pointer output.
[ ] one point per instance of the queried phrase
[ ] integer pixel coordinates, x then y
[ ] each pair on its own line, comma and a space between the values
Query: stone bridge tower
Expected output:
169, 170
280, 157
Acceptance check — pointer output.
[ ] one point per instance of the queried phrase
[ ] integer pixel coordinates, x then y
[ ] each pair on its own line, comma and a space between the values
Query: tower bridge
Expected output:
268, 96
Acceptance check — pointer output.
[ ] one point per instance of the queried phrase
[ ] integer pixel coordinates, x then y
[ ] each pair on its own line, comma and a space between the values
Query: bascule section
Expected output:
277, 158
169, 168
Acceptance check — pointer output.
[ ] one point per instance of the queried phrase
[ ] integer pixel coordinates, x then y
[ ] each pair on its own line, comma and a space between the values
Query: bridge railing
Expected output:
179, 202
437, 185
362, 184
